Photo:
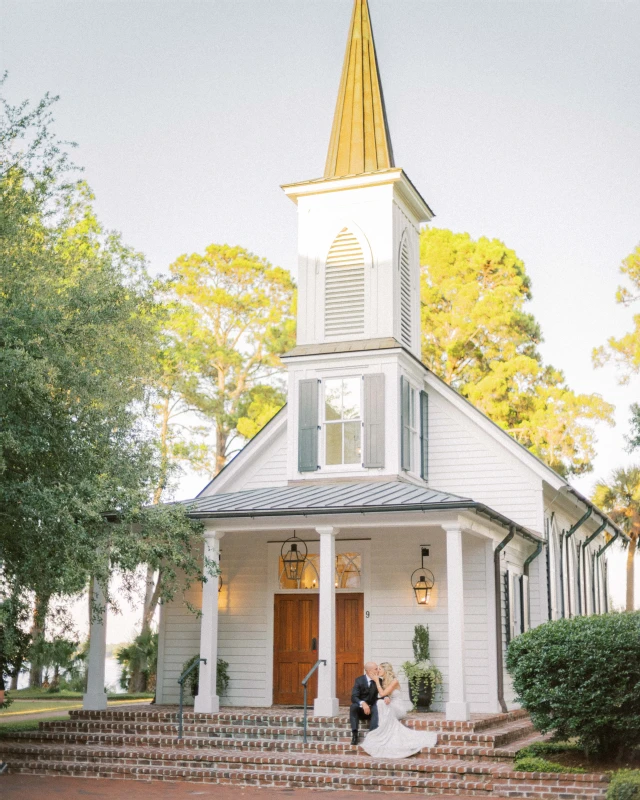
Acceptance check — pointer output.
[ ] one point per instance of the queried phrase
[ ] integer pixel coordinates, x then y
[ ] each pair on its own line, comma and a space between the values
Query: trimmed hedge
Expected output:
580, 678
625, 785
531, 764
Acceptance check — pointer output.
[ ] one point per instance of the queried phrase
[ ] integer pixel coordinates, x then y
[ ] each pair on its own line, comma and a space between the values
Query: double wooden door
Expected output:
296, 645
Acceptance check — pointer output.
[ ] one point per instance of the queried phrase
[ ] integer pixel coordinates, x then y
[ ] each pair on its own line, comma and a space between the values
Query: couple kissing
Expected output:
377, 697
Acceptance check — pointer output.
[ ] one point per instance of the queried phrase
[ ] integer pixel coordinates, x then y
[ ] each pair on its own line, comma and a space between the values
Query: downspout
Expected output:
600, 553
584, 546
568, 535
525, 569
498, 600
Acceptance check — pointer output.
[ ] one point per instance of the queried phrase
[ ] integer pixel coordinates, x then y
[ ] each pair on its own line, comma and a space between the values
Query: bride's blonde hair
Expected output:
388, 675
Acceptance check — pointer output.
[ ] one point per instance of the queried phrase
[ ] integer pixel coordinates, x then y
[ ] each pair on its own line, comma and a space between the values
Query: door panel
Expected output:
295, 627
349, 643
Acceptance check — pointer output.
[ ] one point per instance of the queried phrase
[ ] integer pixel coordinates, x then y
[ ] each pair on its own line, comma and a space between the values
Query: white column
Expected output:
457, 708
326, 703
95, 698
207, 701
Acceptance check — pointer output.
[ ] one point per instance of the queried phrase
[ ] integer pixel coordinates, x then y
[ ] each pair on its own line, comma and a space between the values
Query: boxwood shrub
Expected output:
625, 785
581, 678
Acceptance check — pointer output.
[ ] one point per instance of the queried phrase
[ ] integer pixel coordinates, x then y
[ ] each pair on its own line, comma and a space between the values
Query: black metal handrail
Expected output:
304, 683
181, 680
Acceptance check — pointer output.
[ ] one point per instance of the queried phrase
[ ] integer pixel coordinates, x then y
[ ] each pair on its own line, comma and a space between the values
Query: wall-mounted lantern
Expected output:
219, 583
294, 555
422, 580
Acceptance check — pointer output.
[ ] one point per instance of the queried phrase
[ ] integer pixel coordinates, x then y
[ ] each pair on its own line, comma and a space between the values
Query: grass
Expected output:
65, 694
8, 728
36, 706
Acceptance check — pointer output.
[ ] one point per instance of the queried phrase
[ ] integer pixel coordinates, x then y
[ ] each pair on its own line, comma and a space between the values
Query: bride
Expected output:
392, 739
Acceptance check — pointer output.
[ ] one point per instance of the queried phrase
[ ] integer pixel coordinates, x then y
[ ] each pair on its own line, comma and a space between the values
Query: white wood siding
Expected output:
179, 640
465, 460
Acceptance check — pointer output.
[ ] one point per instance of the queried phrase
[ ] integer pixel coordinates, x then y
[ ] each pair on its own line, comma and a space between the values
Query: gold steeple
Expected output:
360, 140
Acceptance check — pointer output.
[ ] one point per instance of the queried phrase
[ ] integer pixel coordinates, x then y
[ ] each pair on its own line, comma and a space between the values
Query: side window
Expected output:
342, 421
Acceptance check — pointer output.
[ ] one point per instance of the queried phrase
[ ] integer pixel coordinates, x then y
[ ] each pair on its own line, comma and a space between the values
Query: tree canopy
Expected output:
77, 333
478, 336
231, 317
620, 498
625, 351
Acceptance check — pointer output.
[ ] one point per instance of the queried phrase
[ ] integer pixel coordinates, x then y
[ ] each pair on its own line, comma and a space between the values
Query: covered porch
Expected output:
353, 601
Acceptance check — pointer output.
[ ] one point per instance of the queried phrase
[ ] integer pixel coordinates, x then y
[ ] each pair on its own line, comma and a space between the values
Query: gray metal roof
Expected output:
338, 498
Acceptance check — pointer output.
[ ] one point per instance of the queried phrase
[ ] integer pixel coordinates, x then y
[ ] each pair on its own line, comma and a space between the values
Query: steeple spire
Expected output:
360, 140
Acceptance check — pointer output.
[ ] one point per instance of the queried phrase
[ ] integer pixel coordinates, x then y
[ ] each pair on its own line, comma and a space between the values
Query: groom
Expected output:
364, 698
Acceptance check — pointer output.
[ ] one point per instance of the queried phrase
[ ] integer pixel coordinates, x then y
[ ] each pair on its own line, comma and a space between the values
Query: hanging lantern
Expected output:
422, 581
293, 558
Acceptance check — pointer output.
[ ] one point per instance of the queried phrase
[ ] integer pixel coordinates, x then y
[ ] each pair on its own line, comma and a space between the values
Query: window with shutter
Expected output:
344, 287
405, 294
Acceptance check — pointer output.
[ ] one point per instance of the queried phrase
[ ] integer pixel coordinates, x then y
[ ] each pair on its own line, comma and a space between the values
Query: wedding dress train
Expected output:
392, 739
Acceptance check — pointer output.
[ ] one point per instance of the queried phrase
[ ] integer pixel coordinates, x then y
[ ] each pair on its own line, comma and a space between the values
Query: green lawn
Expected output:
8, 727
42, 694
20, 706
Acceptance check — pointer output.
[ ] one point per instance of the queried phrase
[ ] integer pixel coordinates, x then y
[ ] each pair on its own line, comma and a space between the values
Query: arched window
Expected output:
405, 294
344, 287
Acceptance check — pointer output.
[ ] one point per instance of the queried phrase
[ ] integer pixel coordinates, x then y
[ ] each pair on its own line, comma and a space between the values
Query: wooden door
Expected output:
295, 633
349, 643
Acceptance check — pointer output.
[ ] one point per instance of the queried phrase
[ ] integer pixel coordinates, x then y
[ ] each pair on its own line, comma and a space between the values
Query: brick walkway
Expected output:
34, 787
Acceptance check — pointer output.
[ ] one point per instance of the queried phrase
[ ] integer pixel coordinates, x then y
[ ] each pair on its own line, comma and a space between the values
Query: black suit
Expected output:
363, 691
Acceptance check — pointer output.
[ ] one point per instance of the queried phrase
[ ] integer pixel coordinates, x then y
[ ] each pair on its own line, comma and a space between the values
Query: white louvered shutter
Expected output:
344, 287
405, 294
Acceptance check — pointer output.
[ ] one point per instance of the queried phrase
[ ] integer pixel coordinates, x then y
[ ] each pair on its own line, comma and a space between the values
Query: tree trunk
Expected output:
633, 544
37, 632
221, 448
14, 680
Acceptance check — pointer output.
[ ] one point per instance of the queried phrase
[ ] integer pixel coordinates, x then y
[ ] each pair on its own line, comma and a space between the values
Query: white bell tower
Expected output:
358, 226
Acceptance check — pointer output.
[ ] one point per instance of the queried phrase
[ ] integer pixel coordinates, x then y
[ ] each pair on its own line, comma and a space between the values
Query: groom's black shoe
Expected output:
354, 738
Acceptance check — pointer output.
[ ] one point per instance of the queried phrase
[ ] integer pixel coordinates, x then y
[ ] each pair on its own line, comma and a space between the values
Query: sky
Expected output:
517, 120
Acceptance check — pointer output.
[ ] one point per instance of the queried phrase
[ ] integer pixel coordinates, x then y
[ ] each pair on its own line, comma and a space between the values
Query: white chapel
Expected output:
378, 498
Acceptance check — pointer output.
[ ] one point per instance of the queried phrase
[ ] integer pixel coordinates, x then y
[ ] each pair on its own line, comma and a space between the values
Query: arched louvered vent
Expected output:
405, 294
344, 287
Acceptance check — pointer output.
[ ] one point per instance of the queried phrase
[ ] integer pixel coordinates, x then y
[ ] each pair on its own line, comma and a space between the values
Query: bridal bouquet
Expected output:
423, 676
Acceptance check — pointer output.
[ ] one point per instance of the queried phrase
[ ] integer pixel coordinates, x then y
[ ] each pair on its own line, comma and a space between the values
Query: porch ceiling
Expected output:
341, 498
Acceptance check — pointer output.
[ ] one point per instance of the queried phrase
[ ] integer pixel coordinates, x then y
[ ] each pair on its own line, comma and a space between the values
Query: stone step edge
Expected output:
361, 762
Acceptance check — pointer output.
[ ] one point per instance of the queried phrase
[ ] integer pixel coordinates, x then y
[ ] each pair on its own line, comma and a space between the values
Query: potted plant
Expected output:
422, 675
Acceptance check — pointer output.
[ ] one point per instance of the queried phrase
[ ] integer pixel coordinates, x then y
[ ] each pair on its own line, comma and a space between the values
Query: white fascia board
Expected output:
405, 188
251, 451
495, 431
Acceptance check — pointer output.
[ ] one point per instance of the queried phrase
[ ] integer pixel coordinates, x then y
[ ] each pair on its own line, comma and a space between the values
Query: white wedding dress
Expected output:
392, 739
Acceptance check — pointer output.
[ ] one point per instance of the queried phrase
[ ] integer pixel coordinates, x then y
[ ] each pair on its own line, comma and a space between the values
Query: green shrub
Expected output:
531, 764
222, 676
580, 678
625, 785
541, 749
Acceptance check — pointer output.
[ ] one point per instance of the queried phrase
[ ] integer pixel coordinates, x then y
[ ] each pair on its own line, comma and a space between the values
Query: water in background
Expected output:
112, 672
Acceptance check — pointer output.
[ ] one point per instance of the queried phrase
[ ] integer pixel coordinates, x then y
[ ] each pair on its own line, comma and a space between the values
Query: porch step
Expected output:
444, 752
413, 775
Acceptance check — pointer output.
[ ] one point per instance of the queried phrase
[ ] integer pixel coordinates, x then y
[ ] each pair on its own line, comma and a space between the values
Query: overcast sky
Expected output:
516, 120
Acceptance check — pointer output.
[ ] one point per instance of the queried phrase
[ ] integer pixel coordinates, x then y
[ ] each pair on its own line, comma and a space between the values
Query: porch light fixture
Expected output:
293, 558
422, 581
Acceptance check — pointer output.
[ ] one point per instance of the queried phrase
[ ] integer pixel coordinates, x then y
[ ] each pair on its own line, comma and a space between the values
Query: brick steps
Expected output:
448, 751
259, 747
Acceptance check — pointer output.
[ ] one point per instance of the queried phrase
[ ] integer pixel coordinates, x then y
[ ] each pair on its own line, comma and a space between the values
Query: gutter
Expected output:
496, 586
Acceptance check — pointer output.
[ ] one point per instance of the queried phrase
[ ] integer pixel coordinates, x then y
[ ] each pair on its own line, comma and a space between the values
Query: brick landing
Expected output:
263, 747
